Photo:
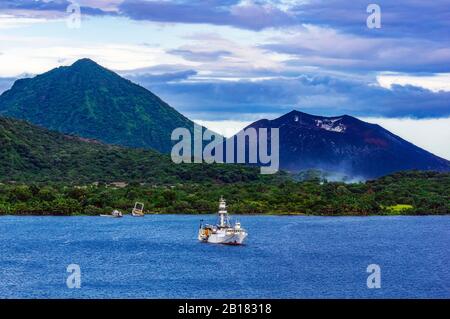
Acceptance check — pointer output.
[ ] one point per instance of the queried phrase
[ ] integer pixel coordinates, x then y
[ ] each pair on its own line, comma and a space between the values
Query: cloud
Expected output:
200, 56
328, 48
46, 8
148, 79
38, 55
11, 21
57, 5
330, 34
433, 82
326, 95
246, 14
399, 19
314, 55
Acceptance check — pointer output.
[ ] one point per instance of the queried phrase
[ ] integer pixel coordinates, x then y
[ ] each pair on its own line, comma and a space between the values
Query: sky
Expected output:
226, 63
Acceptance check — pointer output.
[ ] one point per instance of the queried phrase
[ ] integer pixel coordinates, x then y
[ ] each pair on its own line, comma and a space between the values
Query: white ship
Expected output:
224, 232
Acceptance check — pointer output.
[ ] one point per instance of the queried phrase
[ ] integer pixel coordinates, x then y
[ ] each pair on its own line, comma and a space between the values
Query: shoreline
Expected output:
233, 215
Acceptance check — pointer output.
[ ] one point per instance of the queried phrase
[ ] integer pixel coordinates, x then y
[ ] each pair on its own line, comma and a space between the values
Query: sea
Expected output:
159, 256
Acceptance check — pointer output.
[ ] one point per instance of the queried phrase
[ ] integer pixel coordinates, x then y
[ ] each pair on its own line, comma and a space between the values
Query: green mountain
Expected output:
30, 153
88, 100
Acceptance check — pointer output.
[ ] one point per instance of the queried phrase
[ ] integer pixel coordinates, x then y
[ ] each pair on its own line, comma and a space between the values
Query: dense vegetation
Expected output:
412, 193
32, 154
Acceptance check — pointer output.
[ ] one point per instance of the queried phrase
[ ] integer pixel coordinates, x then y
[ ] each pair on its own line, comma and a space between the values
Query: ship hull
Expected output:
227, 239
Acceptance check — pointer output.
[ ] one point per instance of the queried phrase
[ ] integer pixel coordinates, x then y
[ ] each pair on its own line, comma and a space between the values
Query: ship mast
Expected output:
223, 214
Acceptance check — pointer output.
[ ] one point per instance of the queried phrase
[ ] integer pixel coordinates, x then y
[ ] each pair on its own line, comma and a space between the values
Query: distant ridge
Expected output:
91, 101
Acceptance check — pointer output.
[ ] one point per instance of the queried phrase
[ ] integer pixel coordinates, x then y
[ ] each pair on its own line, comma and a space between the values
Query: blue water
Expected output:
285, 257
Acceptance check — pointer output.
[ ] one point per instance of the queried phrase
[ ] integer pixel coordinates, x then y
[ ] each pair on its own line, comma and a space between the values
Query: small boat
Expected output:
224, 232
138, 210
115, 214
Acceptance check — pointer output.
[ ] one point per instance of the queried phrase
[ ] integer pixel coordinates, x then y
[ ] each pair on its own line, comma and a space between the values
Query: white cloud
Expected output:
10, 21
46, 55
435, 83
243, 59
432, 135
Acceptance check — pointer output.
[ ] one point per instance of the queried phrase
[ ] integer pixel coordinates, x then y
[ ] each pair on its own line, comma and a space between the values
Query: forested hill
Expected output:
88, 100
33, 154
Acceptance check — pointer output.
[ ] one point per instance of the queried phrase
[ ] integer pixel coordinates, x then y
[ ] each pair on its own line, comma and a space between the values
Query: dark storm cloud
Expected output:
147, 79
253, 16
399, 18
325, 95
